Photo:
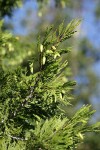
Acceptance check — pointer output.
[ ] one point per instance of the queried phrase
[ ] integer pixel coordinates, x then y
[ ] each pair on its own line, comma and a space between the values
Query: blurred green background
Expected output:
32, 18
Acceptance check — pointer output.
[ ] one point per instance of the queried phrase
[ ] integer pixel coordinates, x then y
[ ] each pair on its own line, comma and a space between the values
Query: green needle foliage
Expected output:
31, 114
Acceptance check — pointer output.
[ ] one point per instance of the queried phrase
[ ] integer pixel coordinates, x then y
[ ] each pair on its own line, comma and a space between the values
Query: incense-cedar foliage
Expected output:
31, 114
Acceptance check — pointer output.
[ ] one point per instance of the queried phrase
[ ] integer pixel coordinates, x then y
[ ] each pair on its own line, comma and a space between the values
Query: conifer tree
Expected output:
31, 102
